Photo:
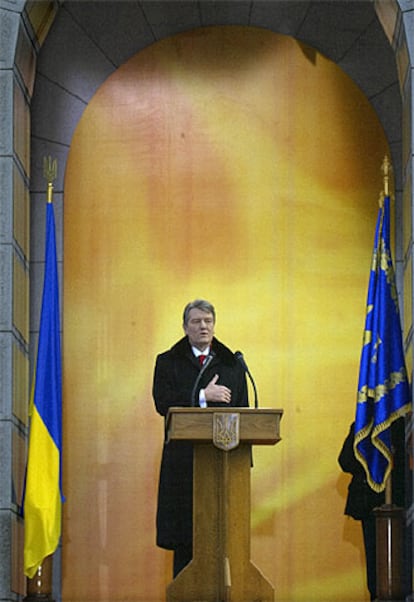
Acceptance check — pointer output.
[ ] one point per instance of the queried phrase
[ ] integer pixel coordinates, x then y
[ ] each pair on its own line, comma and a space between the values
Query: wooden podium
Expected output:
221, 569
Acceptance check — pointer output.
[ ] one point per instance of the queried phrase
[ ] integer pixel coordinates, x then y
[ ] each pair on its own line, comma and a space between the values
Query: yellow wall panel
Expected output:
17, 578
20, 384
403, 61
20, 298
406, 218
21, 213
41, 15
408, 308
237, 165
25, 60
21, 132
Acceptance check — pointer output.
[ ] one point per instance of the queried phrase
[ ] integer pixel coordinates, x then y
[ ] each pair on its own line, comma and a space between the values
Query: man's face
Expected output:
199, 328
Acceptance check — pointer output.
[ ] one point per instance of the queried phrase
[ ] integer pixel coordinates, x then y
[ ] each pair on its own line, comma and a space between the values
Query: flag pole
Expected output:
389, 518
39, 587
386, 170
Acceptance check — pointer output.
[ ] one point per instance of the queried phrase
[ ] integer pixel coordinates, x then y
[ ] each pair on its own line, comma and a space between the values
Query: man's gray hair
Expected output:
201, 304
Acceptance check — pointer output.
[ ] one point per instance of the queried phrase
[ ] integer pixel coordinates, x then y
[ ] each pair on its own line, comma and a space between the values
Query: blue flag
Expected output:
384, 393
43, 487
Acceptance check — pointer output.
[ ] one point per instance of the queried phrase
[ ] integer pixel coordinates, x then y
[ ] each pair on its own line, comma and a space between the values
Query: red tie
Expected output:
201, 359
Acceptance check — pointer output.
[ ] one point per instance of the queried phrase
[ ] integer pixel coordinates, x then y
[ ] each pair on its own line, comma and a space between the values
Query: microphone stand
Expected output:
256, 403
239, 356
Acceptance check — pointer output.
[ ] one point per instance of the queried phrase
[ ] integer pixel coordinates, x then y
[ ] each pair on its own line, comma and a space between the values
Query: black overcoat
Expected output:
175, 373
361, 499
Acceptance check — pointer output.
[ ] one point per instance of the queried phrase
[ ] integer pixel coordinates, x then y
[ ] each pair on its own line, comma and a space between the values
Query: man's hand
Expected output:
218, 393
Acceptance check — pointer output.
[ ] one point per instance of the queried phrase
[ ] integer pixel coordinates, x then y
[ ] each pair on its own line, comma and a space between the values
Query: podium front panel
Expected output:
257, 426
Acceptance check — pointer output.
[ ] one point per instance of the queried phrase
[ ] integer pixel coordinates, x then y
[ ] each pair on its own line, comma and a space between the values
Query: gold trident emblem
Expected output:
226, 430
49, 173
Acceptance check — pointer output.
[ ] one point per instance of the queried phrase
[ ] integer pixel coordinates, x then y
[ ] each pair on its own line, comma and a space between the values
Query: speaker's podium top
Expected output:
224, 427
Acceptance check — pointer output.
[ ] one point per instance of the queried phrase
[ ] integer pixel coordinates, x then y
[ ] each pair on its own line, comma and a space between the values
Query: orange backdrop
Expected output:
241, 166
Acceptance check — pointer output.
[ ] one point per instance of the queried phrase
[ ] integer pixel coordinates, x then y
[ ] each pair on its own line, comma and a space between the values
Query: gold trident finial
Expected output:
386, 170
49, 173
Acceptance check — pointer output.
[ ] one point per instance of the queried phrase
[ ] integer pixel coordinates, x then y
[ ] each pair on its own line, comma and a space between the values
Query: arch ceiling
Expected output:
89, 40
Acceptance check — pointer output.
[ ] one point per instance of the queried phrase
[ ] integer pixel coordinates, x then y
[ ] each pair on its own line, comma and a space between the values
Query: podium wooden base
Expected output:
221, 569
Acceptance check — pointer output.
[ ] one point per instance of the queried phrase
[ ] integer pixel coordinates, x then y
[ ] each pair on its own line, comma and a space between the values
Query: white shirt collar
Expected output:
197, 351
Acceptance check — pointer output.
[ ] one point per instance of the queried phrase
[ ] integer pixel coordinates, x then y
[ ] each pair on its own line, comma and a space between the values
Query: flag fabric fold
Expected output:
43, 497
384, 393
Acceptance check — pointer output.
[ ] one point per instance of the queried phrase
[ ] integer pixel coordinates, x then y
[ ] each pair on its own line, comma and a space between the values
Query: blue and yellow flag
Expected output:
383, 389
43, 498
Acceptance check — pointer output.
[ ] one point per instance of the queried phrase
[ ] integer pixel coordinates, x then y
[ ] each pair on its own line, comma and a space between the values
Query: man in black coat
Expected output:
362, 500
222, 383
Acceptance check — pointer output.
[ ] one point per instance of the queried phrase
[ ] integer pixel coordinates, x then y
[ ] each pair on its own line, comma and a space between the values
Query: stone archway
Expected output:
58, 102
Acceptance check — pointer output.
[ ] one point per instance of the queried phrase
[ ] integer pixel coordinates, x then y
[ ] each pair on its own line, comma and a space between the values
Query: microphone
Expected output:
200, 374
240, 358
